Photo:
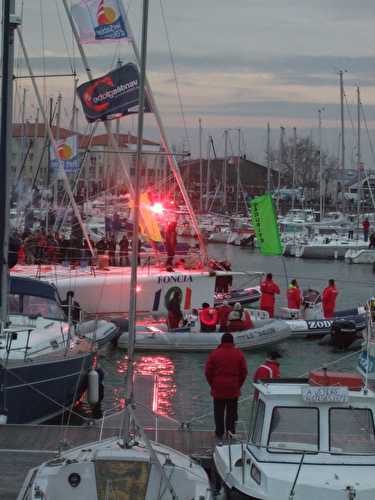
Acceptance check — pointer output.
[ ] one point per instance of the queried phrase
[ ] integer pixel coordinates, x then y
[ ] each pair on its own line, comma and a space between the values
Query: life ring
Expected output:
208, 317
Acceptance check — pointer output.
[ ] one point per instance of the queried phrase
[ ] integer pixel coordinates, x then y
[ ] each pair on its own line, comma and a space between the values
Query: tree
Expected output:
307, 163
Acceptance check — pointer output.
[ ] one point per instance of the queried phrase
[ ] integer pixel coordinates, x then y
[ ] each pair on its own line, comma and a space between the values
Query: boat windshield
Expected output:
351, 431
293, 430
32, 305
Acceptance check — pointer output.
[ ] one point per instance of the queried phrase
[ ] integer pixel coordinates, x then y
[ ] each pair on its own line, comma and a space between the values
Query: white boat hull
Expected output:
365, 256
265, 333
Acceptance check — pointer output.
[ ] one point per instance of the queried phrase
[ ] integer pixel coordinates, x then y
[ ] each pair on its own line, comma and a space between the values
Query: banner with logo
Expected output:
264, 220
113, 95
67, 152
99, 20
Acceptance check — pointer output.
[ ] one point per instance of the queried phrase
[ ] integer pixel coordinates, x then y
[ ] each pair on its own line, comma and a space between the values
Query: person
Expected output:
174, 311
294, 296
171, 241
124, 251
208, 318
268, 290
366, 229
329, 299
111, 247
269, 369
239, 319
223, 313
226, 371
372, 240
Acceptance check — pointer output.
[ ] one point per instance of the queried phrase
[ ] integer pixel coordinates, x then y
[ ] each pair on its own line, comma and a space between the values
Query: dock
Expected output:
23, 447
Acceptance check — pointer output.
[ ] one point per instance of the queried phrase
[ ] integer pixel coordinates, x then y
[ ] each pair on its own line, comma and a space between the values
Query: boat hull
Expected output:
265, 333
33, 392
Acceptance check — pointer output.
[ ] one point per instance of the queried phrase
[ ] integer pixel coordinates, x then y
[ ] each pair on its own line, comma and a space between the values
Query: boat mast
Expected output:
134, 256
225, 169
359, 190
268, 157
294, 165
341, 76
320, 164
208, 176
200, 168
238, 169
9, 25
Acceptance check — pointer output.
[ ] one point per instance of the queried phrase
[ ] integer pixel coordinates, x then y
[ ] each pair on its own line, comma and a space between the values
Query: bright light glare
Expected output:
157, 208
138, 289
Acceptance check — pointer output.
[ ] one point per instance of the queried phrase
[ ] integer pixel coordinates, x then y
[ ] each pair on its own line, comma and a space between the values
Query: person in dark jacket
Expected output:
226, 371
171, 241
124, 251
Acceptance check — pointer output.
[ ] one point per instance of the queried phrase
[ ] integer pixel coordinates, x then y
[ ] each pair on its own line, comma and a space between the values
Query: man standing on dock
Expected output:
226, 371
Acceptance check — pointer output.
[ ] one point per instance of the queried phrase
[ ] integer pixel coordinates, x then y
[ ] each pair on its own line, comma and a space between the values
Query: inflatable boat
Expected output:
157, 337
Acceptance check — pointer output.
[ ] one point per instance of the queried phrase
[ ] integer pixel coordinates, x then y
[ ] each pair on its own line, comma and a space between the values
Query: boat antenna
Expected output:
129, 394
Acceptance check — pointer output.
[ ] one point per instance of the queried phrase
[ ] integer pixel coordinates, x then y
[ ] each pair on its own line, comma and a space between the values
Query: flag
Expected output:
148, 223
99, 20
67, 152
113, 95
265, 224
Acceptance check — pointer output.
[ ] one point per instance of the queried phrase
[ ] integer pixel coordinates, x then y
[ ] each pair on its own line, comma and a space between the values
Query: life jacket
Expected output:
208, 318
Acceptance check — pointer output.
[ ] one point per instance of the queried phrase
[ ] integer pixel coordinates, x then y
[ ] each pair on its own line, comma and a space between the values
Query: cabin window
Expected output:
294, 429
258, 423
351, 430
48, 308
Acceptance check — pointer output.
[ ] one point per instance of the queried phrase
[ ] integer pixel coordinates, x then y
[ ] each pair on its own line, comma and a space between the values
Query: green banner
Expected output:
265, 224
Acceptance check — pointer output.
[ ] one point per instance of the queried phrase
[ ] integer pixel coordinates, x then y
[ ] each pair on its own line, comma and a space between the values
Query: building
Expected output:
99, 163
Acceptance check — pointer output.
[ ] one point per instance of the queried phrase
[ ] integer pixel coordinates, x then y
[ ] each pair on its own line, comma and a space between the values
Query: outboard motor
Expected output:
343, 333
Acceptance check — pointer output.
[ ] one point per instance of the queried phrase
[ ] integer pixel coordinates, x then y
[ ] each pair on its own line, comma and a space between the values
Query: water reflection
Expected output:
162, 370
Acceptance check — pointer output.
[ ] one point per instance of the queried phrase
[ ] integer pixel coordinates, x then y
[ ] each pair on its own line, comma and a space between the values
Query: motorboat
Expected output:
308, 438
44, 359
155, 336
364, 256
326, 247
309, 321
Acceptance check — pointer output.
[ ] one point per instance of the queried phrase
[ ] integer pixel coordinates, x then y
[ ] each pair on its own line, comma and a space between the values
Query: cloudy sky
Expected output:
239, 64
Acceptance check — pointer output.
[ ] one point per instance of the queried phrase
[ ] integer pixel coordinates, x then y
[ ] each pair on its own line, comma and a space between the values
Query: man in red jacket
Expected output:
267, 300
226, 371
269, 369
294, 295
329, 299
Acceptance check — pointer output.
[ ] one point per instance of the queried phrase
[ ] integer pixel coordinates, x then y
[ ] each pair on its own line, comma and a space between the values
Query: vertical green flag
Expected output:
265, 224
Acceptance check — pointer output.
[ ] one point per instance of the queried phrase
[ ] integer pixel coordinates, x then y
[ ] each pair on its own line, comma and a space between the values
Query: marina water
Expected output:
183, 392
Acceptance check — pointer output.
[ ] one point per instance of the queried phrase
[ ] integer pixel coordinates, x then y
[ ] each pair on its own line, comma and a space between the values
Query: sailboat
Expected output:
127, 466
44, 359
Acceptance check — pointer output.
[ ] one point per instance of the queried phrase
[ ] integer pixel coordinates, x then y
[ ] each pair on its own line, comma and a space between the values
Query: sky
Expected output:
239, 64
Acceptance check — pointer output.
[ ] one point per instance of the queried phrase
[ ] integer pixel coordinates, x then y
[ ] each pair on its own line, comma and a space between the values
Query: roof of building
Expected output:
39, 130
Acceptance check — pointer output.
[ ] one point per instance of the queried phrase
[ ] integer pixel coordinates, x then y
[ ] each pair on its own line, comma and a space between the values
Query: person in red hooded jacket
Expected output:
293, 295
226, 371
329, 299
268, 289
269, 369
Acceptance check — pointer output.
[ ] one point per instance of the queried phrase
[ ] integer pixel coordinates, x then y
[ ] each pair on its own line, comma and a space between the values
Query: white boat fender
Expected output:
95, 388
3, 418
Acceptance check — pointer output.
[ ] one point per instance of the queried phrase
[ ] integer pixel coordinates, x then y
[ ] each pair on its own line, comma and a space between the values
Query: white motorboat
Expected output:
312, 439
364, 256
151, 336
327, 248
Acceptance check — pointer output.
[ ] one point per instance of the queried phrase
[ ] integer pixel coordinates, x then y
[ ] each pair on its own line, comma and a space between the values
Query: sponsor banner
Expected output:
100, 20
264, 220
113, 95
67, 152
325, 394
319, 324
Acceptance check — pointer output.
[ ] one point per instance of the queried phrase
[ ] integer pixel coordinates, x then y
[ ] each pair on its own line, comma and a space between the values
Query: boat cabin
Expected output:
313, 438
